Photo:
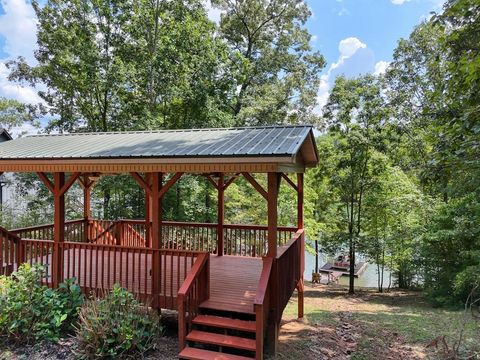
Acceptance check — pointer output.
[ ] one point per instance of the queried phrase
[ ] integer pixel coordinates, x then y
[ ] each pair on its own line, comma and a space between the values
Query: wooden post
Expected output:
300, 225
272, 199
87, 213
58, 227
148, 213
156, 207
273, 183
220, 213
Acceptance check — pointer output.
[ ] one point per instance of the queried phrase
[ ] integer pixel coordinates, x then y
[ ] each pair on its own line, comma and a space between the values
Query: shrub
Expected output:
31, 311
116, 326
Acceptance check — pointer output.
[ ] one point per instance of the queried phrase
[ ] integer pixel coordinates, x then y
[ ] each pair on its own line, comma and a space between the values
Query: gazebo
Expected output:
229, 283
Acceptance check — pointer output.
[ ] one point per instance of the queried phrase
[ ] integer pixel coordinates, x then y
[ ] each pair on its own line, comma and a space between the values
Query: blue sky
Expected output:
355, 36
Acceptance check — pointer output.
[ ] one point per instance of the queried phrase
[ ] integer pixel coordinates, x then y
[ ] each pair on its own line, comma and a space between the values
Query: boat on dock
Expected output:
341, 266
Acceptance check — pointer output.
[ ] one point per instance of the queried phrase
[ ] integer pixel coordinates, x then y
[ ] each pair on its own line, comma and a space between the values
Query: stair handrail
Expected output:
261, 305
194, 290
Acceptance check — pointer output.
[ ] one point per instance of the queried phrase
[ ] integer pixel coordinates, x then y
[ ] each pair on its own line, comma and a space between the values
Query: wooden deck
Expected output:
233, 279
233, 283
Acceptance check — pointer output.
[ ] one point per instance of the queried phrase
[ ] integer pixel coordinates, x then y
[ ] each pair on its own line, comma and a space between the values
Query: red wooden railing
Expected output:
39, 252
261, 305
239, 240
10, 252
289, 267
195, 290
74, 231
277, 282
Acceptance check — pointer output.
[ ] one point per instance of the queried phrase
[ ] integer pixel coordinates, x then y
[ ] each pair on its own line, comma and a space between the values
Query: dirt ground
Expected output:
368, 325
336, 326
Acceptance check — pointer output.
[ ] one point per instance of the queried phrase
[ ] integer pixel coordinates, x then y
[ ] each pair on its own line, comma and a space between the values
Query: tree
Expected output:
274, 73
14, 113
126, 65
355, 118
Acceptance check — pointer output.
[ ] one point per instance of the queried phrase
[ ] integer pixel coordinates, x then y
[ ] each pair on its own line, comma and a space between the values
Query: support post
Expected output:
87, 213
156, 206
300, 225
148, 213
58, 227
272, 199
220, 214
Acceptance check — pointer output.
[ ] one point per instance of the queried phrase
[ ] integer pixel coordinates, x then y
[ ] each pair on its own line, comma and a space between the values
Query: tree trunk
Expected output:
316, 256
351, 288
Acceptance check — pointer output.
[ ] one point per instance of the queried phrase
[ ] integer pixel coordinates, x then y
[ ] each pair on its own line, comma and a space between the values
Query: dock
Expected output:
330, 269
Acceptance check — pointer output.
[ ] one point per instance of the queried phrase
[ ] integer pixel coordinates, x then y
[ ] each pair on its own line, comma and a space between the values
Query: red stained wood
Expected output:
221, 340
225, 323
201, 354
233, 283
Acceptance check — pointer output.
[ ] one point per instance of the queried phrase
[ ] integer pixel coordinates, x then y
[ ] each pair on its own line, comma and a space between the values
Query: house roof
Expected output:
4, 135
288, 145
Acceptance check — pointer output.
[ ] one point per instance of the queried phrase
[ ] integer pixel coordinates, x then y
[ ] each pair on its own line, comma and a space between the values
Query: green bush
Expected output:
31, 311
116, 326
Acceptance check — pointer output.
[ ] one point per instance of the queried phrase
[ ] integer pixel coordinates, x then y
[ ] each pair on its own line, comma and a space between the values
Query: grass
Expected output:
368, 325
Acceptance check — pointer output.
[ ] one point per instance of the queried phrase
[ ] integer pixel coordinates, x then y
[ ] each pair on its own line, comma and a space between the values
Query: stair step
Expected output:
201, 354
225, 323
221, 340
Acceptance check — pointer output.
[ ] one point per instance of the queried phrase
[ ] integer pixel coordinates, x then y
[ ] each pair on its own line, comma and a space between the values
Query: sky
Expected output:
355, 36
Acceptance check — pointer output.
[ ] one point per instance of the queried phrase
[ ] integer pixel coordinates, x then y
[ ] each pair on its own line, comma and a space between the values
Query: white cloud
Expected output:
381, 67
349, 46
355, 58
399, 2
18, 25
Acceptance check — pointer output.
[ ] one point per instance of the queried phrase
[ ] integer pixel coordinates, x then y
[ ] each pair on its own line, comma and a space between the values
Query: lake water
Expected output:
367, 279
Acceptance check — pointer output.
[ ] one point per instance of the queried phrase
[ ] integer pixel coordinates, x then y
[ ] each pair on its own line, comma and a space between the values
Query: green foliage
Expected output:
31, 311
116, 326
14, 113
274, 72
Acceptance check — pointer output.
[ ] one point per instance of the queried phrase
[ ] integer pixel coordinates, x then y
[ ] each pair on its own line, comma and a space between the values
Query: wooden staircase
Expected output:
221, 335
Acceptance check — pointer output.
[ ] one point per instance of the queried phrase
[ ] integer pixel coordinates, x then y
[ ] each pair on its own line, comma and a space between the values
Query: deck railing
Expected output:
239, 240
195, 290
10, 252
277, 282
261, 305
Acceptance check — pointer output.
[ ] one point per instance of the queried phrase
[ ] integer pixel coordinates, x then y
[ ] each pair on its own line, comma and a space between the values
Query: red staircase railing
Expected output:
10, 252
194, 291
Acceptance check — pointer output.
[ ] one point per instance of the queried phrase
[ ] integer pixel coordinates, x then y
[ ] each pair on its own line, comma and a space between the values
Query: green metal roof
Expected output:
269, 141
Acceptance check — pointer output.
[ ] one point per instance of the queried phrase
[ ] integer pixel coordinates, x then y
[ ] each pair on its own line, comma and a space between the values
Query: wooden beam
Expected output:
300, 225
71, 180
170, 183
289, 181
255, 184
58, 227
273, 182
141, 181
230, 181
220, 213
148, 212
46, 181
210, 179
156, 235
300, 198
